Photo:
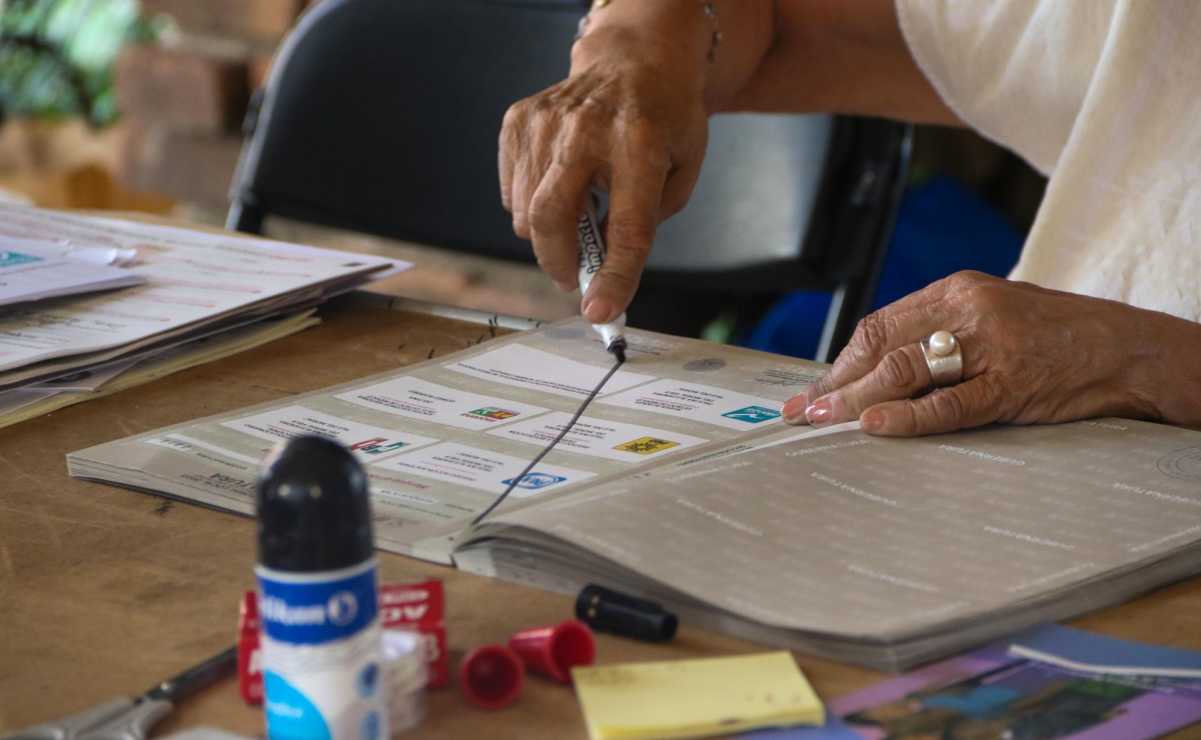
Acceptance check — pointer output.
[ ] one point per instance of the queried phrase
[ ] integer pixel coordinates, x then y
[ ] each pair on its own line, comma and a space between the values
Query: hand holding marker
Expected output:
592, 256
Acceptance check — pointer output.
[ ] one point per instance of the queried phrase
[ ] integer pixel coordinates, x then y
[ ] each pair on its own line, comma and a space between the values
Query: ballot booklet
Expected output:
681, 484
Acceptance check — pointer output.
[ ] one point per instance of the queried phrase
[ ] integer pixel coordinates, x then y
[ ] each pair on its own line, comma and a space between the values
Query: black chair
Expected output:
382, 117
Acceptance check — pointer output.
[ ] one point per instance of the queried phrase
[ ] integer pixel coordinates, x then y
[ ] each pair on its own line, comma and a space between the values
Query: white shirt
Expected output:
1104, 96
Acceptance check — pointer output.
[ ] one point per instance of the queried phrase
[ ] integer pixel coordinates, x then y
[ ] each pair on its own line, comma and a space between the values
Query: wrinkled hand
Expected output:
1030, 355
626, 126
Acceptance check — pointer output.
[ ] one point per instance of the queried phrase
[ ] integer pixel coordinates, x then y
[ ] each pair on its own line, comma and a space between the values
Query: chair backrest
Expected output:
756, 196
383, 117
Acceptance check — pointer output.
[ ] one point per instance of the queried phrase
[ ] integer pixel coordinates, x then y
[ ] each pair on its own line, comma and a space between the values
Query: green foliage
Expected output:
56, 56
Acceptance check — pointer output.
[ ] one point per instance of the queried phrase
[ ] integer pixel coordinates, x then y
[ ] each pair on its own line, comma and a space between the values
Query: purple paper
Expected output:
991, 693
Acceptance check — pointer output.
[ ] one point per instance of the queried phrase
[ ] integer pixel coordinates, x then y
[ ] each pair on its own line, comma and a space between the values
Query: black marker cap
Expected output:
314, 508
618, 349
609, 611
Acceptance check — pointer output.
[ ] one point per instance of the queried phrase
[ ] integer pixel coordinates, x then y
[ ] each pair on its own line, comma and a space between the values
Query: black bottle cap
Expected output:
628, 616
314, 508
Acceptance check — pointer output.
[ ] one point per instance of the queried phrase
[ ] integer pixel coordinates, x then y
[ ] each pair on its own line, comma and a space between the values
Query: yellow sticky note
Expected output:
694, 698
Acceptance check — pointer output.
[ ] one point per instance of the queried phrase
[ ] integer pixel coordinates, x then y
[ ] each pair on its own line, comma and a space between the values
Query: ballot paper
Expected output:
682, 485
694, 698
442, 439
192, 281
33, 270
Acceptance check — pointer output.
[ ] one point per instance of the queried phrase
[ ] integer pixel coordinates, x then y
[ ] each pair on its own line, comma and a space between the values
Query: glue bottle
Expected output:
321, 648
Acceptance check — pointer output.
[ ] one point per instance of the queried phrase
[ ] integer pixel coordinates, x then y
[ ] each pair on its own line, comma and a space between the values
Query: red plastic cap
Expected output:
491, 676
552, 651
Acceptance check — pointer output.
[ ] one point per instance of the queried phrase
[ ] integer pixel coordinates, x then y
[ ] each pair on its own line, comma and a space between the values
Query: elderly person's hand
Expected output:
632, 125
632, 116
1030, 355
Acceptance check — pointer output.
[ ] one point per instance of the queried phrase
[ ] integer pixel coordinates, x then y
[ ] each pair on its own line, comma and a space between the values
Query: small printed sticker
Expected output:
377, 446
646, 445
534, 481
752, 414
11, 259
493, 413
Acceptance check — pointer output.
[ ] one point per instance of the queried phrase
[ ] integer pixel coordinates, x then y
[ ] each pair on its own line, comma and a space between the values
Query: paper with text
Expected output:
526, 367
420, 399
370, 444
699, 402
190, 278
442, 438
21, 404
36, 269
483, 470
598, 438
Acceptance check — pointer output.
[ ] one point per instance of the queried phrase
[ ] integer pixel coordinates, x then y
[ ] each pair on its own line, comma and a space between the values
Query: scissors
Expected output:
122, 718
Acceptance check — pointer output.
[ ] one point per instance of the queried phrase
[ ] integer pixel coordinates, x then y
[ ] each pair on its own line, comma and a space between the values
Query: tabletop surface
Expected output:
105, 591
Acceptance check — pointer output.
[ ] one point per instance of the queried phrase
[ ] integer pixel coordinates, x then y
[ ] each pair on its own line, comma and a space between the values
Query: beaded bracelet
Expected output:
708, 7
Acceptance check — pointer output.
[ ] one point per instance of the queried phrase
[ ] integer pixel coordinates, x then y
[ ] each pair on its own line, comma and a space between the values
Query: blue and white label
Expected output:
306, 610
12, 259
753, 414
535, 480
321, 655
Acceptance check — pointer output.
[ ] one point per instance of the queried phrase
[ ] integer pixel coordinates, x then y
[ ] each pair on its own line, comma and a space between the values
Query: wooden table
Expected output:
105, 591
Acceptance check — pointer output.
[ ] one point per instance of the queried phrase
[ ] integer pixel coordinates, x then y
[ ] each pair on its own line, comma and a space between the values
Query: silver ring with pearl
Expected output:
944, 357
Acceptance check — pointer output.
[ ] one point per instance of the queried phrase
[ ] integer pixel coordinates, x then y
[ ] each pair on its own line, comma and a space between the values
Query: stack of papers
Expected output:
185, 297
695, 698
36, 270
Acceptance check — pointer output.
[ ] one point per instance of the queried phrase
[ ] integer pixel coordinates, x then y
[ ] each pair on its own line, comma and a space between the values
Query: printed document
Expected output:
21, 404
190, 279
441, 440
33, 270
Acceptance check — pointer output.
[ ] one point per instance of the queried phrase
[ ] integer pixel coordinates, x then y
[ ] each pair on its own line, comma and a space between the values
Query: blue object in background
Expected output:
942, 227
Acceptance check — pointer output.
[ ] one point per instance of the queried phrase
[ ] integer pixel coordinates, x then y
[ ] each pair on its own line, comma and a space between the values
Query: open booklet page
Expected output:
919, 546
442, 439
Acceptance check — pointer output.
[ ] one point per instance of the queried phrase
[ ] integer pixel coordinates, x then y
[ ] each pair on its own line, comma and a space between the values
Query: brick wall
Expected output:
183, 99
